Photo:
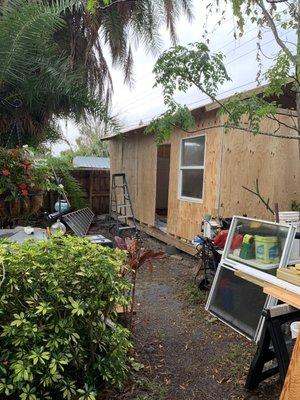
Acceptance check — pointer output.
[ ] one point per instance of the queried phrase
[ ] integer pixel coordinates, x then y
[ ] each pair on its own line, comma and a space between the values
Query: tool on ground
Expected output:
121, 210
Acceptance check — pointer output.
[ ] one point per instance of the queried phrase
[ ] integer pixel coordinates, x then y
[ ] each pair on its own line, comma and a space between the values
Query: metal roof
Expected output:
90, 162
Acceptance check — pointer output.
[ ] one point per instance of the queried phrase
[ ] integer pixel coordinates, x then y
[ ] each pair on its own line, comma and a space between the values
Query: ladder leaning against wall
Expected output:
121, 210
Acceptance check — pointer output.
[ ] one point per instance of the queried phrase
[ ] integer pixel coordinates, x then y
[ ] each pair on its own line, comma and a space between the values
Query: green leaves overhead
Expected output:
278, 75
163, 126
259, 106
52, 57
178, 69
181, 67
252, 109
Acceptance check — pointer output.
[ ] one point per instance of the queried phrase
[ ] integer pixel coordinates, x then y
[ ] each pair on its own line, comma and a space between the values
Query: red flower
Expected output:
26, 164
5, 172
24, 192
23, 186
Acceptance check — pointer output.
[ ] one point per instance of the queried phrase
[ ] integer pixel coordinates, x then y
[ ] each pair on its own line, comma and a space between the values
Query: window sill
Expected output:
190, 199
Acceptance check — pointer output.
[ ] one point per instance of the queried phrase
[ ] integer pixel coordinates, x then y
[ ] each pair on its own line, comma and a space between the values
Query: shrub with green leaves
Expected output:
59, 336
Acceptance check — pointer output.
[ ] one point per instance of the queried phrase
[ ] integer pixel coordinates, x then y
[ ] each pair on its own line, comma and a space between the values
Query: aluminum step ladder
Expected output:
121, 210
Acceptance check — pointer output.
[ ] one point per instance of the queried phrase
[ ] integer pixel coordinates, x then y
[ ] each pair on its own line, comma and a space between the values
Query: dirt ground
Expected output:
187, 354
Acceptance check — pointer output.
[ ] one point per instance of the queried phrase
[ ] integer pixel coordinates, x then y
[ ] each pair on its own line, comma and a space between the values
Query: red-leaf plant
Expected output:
137, 256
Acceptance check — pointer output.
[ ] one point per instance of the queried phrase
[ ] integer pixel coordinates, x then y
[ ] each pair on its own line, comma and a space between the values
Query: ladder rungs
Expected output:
124, 198
121, 205
121, 215
123, 228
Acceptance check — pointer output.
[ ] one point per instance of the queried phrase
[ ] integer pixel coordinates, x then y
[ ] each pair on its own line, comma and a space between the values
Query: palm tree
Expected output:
116, 27
37, 82
53, 58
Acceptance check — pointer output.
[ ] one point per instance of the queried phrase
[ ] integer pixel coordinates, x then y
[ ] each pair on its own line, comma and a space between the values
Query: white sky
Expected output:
142, 102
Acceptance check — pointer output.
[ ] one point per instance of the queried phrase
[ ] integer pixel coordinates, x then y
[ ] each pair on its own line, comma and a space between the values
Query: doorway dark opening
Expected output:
162, 186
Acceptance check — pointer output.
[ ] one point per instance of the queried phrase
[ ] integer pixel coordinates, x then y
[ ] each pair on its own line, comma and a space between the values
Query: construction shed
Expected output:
93, 175
174, 185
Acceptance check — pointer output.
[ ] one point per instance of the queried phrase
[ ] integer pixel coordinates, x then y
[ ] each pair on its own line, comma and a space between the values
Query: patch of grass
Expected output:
191, 293
196, 296
151, 390
235, 360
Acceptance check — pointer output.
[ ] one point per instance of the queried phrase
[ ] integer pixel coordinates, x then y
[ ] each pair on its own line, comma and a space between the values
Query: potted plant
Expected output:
24, 178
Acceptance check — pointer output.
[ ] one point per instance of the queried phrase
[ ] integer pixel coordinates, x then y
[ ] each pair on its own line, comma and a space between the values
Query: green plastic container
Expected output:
267, 249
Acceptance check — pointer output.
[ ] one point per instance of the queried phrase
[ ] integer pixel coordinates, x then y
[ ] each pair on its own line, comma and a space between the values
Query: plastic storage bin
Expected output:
267, 249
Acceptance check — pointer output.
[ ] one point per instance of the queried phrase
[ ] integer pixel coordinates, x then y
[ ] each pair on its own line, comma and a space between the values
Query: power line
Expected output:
191, 104
222, 47
226, 64
235, 40
138, 100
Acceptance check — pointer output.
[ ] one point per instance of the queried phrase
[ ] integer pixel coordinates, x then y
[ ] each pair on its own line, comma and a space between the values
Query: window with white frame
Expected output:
192, 167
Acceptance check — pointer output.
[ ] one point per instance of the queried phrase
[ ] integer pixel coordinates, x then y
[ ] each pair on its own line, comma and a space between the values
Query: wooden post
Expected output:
276, 211
291, 387
91, 181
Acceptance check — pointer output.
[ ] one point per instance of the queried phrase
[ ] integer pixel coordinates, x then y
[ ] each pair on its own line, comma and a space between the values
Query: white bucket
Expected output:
295, 329
289, 216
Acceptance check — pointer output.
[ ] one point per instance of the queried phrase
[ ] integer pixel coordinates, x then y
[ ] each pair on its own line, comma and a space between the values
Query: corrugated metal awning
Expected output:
90, 162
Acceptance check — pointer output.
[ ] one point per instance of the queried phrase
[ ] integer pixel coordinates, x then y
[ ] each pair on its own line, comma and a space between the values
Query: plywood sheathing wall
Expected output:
275, 162
136, 155
184, 217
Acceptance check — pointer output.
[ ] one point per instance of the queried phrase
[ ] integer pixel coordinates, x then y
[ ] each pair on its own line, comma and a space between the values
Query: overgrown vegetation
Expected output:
59, 335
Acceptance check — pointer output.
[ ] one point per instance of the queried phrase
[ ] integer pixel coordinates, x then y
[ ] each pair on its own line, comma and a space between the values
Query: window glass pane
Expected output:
192, 153
238, 302
257, 244
192, 183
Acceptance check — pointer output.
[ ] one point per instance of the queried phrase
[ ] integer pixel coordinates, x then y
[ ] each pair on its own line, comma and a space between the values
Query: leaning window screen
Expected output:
237, 302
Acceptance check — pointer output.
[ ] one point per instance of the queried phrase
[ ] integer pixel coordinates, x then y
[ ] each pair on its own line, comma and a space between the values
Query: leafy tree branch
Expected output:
180, 68
271, 23
257, 193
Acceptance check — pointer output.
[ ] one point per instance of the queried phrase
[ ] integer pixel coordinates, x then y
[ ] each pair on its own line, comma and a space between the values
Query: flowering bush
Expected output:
22, 174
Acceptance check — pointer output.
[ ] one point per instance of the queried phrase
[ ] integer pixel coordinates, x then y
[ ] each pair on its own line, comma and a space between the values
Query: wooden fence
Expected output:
96, 185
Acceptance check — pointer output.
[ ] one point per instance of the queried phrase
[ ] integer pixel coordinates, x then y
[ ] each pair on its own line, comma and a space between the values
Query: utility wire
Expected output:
199, 102
222, 47
138, 100
226, 64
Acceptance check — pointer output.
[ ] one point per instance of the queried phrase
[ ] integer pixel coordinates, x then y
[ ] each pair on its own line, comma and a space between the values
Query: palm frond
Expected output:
25, 27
